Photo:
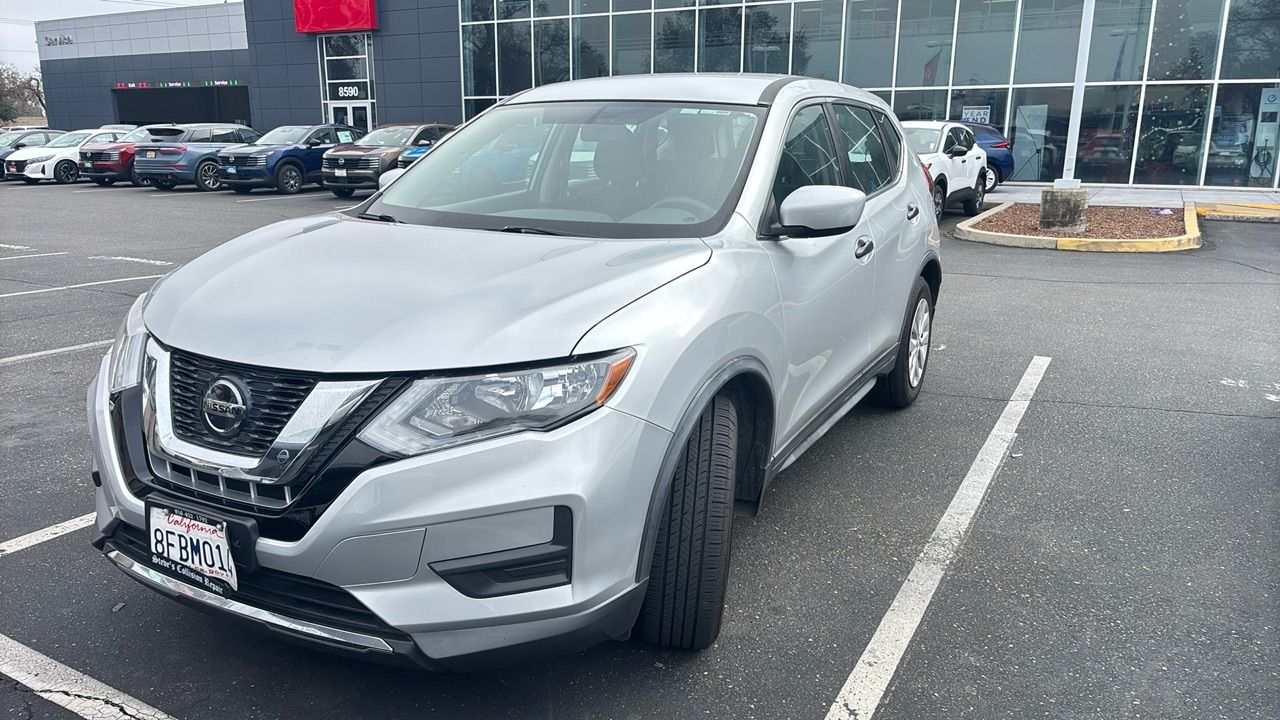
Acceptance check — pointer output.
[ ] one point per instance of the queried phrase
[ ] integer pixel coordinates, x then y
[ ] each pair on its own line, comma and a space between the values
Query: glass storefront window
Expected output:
885, 95
1108, 122
515, 71
590, 47
981, 105
720, 40
924, 45
1173, 130
551, 51
673, 41
816, 50
663, 4
1118, 43
628, 5
1038, 132
1245, 142
512, 9
984, 42
477, 10
1252, 48
584, 7
475, 106
1184, 43
768, 39
631, 36
550, 8
868, 38
920, 104
477, 60
1047, 41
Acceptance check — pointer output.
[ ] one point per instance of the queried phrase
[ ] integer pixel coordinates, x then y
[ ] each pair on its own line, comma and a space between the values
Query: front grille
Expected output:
15, 166
274, 395
290, 595
351, 163
243, 160
100, 155
191, 482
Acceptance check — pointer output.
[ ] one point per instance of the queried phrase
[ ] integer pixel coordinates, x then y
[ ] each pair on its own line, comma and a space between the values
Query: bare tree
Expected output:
21, 93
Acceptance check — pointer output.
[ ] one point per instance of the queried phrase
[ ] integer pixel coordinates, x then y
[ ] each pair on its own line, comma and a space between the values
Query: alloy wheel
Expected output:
938, 200
290, 180
65, 172
209, 177
990, 183
918, 344
981, 193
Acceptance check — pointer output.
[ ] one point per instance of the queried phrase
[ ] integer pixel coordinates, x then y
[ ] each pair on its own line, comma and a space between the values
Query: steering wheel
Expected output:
697, 207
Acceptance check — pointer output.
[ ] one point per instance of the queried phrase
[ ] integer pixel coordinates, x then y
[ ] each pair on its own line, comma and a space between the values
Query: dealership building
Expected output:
1172, 92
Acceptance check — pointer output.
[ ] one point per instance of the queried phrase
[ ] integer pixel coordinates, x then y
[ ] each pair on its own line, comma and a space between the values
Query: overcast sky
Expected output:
17, 18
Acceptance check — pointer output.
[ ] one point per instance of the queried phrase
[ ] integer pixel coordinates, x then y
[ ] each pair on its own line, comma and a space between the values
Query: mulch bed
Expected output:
1122, 223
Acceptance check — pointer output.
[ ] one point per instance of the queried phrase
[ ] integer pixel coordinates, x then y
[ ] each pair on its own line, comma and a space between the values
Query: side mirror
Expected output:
957, 151
389, 177
424, 142
313, 142
19, 146
816, 210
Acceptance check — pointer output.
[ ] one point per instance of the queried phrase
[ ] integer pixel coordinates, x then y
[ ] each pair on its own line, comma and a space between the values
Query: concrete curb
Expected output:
1239, 212
1188, 241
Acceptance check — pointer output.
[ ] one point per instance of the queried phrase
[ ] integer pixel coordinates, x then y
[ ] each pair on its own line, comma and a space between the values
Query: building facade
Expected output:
1175, 92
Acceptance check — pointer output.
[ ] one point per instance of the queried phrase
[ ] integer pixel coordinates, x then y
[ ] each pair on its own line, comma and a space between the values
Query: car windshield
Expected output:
596, 169
923, 140
147, 134
287, 135
388, 136
67, 140
10, 138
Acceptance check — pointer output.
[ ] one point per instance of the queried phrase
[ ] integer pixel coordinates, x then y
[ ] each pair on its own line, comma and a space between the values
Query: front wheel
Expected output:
207, 176
684, 600
65, 172
974, 205
289, 179
343, 192
902, 385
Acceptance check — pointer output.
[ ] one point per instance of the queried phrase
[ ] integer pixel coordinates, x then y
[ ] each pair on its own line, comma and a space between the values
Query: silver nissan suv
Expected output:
507, 405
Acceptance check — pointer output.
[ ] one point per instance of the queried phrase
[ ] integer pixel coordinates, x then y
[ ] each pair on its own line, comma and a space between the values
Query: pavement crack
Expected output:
1103, 406
124, 709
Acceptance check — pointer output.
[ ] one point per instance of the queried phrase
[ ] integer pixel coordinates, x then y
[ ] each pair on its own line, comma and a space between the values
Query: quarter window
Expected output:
808, 156
224, 135
869, 166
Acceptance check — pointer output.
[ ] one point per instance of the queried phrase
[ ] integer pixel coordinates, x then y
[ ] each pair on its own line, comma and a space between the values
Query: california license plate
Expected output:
187, 542
151, 154
340, 172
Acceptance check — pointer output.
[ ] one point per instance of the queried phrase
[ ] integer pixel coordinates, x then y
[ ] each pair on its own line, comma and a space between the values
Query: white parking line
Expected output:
101, 189
277, 197
23, 542
80, 285
69, 688
866, 685
15, 247
130, 259
19, 257
56, 351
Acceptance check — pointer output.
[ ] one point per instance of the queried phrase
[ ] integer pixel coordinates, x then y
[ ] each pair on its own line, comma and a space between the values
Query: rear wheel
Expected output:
65, 172
993, 177
241, 189
289, 179
207, 176
343, 192
134, 180
900, 387
160, 184
684, 601
105, 182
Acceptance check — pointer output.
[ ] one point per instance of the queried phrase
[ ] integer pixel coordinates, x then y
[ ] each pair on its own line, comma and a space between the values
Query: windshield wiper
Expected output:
380, 218
527, 230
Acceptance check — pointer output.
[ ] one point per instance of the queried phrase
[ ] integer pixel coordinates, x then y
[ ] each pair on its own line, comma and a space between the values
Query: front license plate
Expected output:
86, 164
231, 169
187, 542
340, 172
151, 154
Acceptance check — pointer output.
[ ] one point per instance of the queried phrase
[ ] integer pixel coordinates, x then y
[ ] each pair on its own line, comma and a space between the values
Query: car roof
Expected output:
194, 126
932, 124
722, 88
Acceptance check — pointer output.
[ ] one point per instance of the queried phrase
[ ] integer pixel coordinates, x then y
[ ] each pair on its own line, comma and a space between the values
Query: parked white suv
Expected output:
957, 164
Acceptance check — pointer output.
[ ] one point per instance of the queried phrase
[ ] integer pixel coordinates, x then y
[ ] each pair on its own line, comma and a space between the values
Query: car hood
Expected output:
27, 153
251, 149
338, 295
366, 149
98, 146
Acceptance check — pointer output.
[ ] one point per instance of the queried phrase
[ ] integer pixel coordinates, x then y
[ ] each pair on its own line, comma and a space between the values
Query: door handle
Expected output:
863, 248
912, 211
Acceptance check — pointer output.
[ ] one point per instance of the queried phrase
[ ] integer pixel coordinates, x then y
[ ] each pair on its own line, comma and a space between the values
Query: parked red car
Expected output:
107, 163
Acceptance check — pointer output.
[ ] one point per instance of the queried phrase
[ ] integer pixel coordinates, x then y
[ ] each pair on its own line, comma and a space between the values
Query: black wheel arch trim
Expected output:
741, 365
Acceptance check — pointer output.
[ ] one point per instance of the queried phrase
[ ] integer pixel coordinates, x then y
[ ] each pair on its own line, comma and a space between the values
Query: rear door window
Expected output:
869, 166
346, 136
224, 135
199, 135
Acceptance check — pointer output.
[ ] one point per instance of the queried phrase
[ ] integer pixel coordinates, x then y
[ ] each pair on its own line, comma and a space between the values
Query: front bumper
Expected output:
99, 169
389, 536
177, 173
247, 176
353, 179
33, 171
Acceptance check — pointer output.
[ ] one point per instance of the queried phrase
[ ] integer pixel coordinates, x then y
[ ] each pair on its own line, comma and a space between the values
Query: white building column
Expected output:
1068, 179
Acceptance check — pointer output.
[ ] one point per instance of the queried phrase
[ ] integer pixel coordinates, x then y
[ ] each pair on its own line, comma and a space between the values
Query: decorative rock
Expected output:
1063, 211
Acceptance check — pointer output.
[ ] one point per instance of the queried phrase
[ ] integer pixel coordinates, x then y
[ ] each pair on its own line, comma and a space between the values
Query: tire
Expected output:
159, 184
939, 199
684, 601
134, 180
974, 205
993, 177
902, 385
343, 192
289, 179
65, 172
104, 182
241, 189
207, 176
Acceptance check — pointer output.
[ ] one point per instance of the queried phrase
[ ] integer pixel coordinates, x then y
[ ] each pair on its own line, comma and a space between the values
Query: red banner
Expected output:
314, 16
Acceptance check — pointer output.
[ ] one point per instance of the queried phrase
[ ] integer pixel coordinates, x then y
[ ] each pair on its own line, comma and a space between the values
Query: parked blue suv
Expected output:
186, 154
285, 158
999, 156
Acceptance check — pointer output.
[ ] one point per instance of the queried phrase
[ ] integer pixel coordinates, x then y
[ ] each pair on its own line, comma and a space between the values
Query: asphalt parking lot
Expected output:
1123, 563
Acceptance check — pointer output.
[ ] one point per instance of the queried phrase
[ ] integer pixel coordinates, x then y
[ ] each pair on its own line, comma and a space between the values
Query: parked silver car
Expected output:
506, 405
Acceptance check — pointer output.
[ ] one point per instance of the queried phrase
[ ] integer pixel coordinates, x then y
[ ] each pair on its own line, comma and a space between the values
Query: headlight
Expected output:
435, 413
125, 369
34, 160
